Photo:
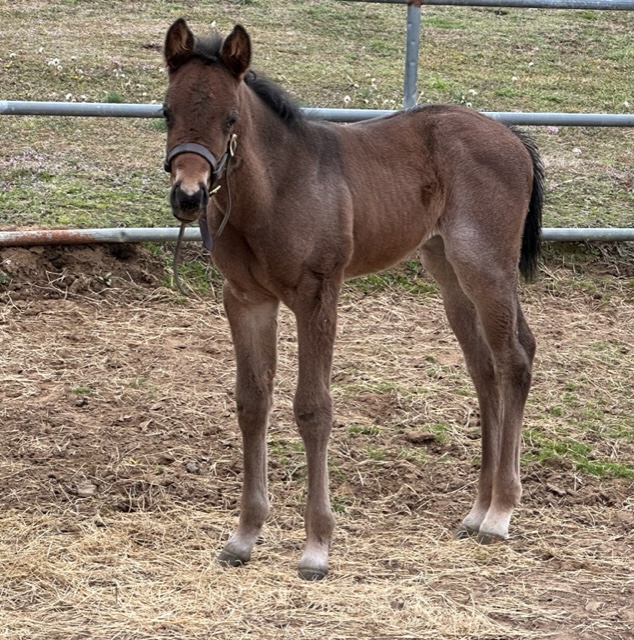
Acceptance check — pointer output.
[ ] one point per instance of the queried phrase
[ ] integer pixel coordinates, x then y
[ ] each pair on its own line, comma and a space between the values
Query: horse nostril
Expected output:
183, 200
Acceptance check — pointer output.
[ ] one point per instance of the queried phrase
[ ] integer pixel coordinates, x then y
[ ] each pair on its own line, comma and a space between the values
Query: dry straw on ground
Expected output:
121, 468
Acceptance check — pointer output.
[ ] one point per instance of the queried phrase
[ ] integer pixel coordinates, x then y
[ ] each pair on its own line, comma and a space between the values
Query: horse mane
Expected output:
276, 98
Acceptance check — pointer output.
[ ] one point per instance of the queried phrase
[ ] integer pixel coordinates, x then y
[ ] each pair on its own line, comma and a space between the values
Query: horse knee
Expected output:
527, 340
313, 415
522, 373
252, 408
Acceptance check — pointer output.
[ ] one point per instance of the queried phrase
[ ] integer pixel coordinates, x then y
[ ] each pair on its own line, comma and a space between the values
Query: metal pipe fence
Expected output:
605, 5
128, 110
412, 39
114, 110
169, 234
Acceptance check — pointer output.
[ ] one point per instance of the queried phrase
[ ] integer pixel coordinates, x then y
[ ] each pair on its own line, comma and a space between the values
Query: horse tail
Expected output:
531, 238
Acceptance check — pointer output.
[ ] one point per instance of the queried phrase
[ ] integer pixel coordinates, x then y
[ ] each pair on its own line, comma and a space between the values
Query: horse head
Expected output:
201, 109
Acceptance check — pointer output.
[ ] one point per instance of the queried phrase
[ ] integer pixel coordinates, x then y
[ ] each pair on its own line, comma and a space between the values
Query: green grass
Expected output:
82, 390
408, 277
366, 430
326, 53
542, 448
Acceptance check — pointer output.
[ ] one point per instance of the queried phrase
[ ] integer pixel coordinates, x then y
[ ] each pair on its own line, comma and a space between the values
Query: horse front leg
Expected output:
254, 333
316, 315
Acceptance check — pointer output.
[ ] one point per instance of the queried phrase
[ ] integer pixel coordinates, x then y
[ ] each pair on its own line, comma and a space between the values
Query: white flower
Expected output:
514, 79
473, 92
346, 99
576, 150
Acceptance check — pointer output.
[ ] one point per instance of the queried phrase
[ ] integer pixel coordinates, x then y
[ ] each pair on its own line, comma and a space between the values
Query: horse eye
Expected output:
231, 120
167, 114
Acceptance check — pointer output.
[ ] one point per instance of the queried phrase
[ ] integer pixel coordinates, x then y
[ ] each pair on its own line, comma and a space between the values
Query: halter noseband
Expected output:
217, 166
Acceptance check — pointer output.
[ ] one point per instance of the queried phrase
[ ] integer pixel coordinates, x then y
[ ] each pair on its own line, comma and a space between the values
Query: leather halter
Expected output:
217, 166
217, 169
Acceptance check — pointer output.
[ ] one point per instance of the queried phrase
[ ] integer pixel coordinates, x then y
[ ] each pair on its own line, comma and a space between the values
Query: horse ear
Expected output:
179, 44
236, 51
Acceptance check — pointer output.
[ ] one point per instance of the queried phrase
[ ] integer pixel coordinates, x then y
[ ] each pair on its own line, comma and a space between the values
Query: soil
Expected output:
117, 408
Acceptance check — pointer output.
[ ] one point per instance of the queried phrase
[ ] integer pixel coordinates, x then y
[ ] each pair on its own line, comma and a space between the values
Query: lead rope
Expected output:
177, 253
223, 224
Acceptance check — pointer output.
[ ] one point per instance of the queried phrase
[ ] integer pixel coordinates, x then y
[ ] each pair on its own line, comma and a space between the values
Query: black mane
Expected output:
276, 98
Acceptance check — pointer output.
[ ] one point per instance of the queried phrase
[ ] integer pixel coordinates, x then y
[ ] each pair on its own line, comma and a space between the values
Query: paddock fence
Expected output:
412, 45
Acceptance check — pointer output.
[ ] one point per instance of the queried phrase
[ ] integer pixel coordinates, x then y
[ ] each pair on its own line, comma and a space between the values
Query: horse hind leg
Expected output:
483, 310
462, 317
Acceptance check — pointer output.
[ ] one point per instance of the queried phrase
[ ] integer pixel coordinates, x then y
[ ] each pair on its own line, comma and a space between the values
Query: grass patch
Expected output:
515, 60
408, 276
82, 390
542, 448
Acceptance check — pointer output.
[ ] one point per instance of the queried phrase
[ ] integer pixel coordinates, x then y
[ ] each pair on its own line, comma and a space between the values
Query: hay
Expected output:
121, 470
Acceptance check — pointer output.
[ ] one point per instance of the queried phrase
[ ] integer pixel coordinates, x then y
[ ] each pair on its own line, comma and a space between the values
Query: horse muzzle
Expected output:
188, 204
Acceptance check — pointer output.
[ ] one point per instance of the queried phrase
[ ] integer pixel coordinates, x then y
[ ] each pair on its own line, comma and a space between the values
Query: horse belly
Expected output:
384, 237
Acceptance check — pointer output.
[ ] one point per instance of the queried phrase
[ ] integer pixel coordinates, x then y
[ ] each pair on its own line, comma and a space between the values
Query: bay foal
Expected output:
302, 205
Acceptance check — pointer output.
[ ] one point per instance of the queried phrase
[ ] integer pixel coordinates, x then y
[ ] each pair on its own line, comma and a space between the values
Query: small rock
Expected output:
557, 490
593, 605
420, 437
192, 467
86, 490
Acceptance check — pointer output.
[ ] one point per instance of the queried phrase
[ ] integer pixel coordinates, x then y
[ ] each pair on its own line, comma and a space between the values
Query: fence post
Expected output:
411, 53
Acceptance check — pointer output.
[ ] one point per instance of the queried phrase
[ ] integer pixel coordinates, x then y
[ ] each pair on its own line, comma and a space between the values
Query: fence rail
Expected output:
170, 234
129, 110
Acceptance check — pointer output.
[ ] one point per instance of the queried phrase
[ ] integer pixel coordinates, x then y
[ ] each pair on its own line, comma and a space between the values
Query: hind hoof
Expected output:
228, 559
465, 532
488, 538
312, 575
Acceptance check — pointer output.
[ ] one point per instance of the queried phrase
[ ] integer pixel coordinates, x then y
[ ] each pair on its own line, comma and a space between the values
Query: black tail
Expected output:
531, 238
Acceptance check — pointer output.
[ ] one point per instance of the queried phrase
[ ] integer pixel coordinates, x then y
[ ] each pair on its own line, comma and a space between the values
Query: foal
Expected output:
289, 208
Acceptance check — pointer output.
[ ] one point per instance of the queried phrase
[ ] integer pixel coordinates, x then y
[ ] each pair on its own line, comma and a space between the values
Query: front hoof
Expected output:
489, 538
228, 559
465, 532
312, 574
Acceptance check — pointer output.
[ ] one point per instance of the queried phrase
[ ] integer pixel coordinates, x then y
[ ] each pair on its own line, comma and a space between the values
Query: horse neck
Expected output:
263, 150
264, 131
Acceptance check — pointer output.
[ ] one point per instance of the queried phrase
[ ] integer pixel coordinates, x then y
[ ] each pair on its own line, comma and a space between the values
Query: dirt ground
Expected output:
120, 466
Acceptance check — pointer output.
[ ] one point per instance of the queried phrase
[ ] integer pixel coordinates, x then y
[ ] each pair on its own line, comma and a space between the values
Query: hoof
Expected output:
488, 538
312, 574
228, 559
465, 532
